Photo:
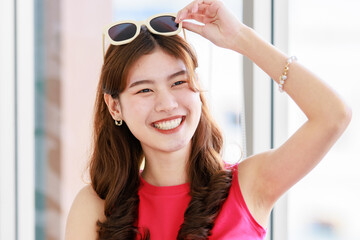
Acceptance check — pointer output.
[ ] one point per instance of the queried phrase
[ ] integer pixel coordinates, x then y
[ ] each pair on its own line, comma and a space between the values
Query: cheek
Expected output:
193, 102
134, 110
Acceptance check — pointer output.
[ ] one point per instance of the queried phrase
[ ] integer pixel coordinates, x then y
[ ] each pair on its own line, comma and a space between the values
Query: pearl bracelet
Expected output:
283, 76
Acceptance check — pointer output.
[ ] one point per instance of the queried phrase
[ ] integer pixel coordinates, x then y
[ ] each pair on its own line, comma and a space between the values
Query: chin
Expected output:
176, 147
173, 147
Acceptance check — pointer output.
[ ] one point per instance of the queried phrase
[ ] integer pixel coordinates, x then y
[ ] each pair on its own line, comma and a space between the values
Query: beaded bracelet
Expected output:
283, 76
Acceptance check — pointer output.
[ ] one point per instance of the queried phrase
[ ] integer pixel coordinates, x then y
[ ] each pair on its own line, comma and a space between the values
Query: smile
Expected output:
168, 125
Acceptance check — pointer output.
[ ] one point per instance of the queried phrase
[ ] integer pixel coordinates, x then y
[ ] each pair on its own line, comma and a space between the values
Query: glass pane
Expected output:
68, 58
325, 35
47, 122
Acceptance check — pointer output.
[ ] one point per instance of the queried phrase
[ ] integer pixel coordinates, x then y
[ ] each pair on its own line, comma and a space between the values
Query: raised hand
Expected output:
219, 25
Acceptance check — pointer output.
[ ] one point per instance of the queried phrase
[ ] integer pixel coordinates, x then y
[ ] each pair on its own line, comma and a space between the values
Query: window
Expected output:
325, 36
47, 96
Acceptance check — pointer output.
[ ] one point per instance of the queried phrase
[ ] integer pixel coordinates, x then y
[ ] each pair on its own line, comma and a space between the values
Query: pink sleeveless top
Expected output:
161, 210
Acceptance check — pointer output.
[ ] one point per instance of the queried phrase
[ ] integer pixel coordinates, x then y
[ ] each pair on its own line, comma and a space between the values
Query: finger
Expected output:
182, 14
200, 15
195, 6
209, 2
208, 10
213, 9
190, 8
200, 18
202, 8
193, 27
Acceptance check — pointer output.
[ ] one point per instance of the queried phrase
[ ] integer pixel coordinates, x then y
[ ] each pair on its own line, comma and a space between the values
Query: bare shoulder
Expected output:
250, 174
85, 211
248, 168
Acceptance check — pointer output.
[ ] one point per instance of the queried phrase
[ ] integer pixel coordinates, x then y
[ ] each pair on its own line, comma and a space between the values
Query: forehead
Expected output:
153, 66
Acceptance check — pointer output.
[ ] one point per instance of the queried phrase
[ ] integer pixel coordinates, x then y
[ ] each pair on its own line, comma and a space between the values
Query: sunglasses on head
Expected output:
123, 32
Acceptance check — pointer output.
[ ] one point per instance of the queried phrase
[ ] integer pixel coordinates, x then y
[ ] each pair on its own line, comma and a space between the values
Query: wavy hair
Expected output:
117, 155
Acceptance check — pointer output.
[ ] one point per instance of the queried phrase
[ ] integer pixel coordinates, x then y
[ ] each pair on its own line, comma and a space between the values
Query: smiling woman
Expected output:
149, 86
155, 92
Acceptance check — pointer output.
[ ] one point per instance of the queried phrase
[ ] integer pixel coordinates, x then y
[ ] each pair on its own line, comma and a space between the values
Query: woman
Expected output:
149, 87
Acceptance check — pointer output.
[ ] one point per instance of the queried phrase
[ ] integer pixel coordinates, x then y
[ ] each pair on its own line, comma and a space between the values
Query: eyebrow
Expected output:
179, 73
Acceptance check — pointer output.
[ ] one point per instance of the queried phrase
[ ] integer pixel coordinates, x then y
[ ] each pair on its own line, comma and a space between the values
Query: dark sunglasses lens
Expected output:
164, 24
122, 31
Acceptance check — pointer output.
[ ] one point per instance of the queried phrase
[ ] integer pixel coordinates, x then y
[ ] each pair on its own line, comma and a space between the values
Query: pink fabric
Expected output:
161, 210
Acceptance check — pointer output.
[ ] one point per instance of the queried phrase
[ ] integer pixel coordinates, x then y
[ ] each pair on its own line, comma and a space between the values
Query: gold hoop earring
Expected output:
118, 122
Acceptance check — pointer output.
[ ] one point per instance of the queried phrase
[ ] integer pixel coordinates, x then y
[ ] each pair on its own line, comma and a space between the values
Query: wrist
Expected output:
246, 41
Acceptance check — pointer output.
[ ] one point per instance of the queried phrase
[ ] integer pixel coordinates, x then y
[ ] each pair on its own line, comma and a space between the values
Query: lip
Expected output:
170, 131
168, 119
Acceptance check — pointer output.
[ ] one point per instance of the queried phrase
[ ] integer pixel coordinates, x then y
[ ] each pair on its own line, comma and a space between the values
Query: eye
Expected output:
145, 90
178, 83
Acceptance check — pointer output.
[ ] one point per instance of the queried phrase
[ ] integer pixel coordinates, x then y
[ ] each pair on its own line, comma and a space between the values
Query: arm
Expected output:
328, 117
265, 177
86, 210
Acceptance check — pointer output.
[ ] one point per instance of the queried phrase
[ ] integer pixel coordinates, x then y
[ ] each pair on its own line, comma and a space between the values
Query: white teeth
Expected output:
167, 125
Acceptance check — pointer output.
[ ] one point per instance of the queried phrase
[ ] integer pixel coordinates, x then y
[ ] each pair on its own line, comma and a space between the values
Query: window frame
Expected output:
17, 120
7, 121
24, 10
270, 20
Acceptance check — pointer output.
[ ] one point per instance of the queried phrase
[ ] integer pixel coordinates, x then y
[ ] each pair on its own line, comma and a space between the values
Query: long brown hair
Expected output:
117, 154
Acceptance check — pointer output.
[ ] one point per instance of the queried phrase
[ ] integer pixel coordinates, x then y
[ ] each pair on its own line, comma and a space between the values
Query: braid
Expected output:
204, 207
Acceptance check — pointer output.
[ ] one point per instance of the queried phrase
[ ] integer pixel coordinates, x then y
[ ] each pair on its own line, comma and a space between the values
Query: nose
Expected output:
165, 102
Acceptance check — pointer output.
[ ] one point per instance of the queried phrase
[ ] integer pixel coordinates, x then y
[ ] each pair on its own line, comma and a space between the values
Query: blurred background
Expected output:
50, 61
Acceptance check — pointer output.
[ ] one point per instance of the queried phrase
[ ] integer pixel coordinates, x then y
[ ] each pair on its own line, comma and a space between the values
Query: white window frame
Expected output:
25, 123
17, 120
281, 36
7, 121
270, 20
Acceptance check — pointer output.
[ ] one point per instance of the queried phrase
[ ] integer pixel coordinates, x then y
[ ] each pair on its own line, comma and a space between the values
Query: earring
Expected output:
118, 122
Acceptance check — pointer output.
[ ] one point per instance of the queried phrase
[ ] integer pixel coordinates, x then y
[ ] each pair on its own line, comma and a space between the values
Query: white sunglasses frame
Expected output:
138, 25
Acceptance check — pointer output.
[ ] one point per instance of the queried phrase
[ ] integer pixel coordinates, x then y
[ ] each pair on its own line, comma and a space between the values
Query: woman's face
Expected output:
158, 105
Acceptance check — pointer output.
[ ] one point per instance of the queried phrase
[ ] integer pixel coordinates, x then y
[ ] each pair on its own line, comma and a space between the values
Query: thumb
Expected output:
196, 28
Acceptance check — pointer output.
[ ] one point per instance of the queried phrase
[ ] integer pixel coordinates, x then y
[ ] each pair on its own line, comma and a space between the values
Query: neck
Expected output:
166, 168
